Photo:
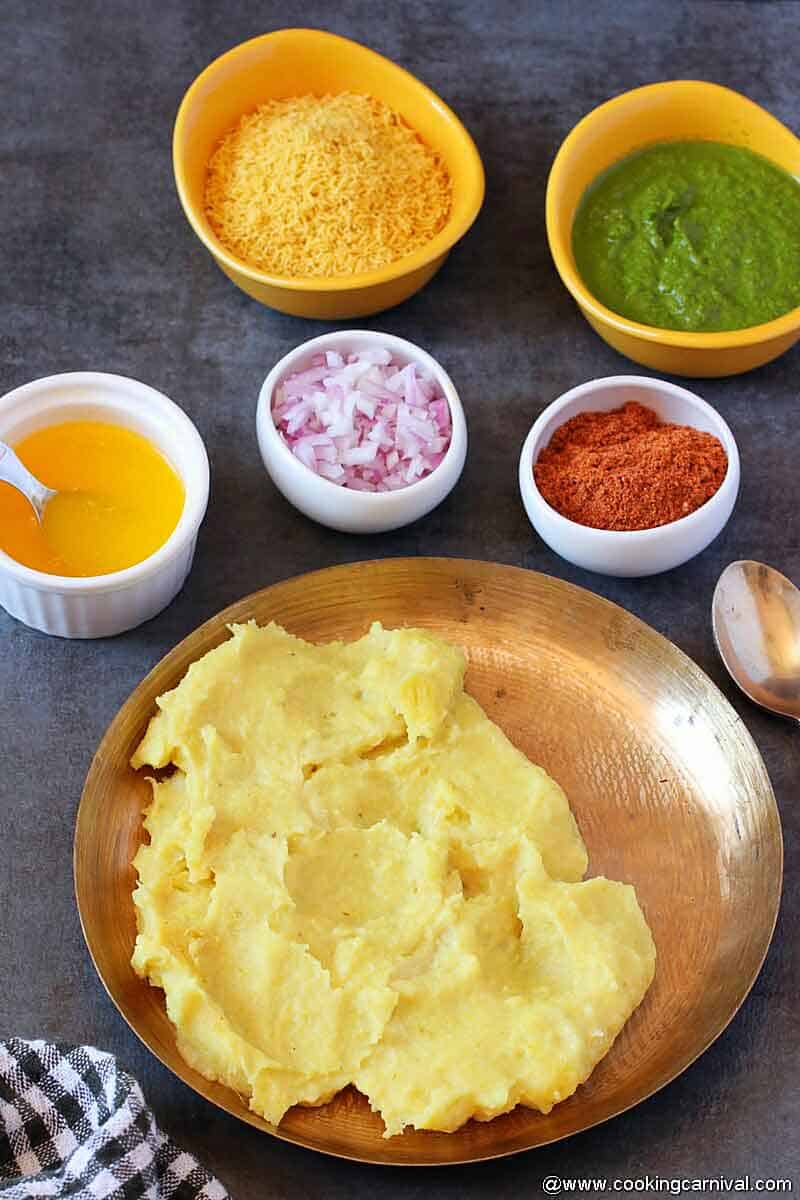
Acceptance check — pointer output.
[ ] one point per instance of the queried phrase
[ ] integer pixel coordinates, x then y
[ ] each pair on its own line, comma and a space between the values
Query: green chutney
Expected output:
698, 236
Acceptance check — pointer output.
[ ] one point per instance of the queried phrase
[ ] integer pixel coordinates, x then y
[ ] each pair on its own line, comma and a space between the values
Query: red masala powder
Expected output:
625, 469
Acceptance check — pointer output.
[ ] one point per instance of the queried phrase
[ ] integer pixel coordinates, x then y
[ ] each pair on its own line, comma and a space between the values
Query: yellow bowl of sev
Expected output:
295, 63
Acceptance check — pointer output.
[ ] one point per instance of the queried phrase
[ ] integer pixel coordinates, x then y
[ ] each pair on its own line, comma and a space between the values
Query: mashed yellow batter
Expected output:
354, 877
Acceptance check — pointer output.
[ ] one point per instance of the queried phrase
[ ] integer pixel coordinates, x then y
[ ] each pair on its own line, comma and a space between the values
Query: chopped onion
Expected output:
366, 422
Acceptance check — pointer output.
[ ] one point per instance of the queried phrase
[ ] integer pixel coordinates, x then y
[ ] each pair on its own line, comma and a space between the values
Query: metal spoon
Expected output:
14, 472
755, 615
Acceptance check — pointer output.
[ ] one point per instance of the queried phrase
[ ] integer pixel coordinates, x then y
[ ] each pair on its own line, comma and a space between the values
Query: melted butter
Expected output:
119, 500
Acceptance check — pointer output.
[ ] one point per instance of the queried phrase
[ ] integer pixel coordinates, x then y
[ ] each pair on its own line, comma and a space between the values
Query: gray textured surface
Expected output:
100, 271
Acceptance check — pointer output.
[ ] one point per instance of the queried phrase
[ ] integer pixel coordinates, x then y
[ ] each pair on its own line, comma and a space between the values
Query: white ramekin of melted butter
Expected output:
132, 475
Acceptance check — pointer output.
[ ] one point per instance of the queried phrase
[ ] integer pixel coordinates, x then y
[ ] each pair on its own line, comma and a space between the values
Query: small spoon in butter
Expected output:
13, 471
755, 614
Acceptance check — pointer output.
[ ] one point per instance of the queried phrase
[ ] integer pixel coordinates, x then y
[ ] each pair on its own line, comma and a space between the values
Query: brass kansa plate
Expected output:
667, 786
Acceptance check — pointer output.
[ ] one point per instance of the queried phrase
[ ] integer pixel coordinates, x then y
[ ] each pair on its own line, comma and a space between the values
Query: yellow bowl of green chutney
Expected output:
630, 127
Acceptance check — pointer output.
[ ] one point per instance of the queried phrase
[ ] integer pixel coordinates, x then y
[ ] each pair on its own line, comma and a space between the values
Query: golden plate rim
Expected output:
234, 612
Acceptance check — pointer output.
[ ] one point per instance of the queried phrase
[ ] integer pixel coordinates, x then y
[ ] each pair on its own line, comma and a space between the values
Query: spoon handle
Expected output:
17, 474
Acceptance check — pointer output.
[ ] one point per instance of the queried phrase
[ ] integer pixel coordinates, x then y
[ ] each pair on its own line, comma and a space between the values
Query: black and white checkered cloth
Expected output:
72, 1123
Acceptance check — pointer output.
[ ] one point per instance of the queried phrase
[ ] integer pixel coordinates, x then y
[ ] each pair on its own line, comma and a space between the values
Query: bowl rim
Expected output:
473, 178
558, 236
421, 488
607, 537
195, 499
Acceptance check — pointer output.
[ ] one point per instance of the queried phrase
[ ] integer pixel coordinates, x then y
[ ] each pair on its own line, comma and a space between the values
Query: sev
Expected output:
325, 186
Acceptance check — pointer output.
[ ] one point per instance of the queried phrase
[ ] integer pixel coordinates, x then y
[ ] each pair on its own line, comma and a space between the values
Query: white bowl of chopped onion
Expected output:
361, 431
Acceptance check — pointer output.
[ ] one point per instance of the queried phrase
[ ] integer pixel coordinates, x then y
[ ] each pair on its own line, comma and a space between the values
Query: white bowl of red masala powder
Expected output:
629, 476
